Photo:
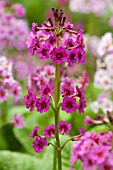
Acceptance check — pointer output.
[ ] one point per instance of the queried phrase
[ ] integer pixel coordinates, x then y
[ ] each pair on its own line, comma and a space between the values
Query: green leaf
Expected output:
98, 128
17, 161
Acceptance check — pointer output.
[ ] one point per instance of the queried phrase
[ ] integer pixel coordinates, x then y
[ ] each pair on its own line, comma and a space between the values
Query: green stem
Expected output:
54, 160
57, 85
59, 159
56, 100
56, 111
65, 143
58, 140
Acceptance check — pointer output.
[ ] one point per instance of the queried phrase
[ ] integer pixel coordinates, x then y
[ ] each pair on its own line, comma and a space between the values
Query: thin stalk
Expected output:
54, 160
65, 143
56, 110
57, 85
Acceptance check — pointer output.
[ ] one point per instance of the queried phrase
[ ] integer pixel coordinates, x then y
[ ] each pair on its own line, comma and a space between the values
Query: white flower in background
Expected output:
107, 105
102, 79
109, 63
91, 44
8, 85
101, 97
90, 6
105, 43
95, 106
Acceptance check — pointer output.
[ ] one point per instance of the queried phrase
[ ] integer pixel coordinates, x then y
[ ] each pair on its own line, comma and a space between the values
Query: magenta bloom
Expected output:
39, 144
79, 92
42, 104
70, 26
82, 105
88, 163
85, 79
58, 55
19, 10
106, 165
51, 40
68, 81
34, 132
66, 90
43, 52
3, 94
69, 104
34, 27
30, 100
16, 91
72, 56
81, 55
87, 120
64, 127
69, 43
18, 121
34, 45
47, 89
49, 71
99, 154
49, 131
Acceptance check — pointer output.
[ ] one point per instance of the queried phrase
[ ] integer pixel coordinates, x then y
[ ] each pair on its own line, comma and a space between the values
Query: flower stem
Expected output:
56, 100
65, 143
56, 111
54, 160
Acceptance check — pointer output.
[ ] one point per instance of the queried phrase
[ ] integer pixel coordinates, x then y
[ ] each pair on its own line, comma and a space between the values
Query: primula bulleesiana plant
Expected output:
57, 41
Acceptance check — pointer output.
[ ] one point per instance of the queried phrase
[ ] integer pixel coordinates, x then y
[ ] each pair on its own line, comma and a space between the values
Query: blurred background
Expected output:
96, 18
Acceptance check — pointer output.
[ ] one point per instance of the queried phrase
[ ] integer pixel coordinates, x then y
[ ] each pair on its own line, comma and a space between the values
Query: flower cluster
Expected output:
42, 81
22, 62
43, 41
8, 85
94, 150
103, 102
91, 44
49, 132
103, 76
70, 95
90, 6
13, 28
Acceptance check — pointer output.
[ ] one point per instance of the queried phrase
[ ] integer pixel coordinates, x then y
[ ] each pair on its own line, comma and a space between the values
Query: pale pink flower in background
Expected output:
18, 121
109, 63
3, 94
101, 97
102, 79
29, 39
9, 86
107, 105
19, 10
90, 6
105, 43
95, 106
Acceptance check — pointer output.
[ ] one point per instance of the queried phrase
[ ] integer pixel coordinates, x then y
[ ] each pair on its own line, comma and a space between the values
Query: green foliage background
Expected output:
16, 152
